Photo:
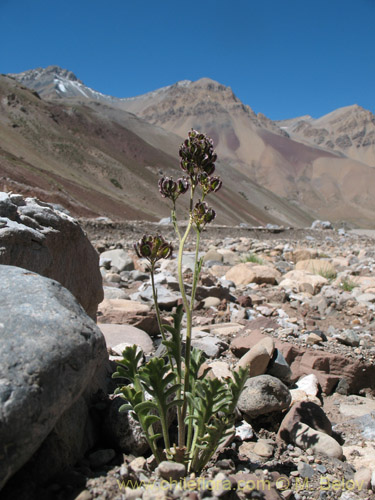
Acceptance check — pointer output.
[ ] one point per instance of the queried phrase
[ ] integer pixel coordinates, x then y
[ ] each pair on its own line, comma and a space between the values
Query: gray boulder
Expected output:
122, 430
263, 394
36, 237
118, 258
321, 224
52, 359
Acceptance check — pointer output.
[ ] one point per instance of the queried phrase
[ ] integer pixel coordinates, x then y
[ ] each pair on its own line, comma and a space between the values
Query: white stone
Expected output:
309, 384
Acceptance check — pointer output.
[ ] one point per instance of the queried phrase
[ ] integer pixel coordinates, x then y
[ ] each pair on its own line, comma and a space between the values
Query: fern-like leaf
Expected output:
127, 368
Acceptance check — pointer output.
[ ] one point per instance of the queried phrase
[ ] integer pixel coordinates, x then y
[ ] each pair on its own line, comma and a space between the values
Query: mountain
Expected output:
54, 82
349, 131
97, 160
327, 181
272, 171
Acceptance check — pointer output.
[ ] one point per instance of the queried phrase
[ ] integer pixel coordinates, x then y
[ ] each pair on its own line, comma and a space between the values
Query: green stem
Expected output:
154, 449
196, 270
155, 297
164, 427
162, 331
149, 432
181, 430
174, 222
195, 451
192, 300
192, 448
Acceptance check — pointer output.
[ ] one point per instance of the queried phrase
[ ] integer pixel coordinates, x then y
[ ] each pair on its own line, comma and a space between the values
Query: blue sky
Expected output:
284, 58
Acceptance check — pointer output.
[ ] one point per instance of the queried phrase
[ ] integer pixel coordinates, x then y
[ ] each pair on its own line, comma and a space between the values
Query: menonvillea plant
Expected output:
204, 407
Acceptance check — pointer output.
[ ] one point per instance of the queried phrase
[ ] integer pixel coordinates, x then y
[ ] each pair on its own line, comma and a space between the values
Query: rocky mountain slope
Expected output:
331, 181
349, 130
98, 160
288, 159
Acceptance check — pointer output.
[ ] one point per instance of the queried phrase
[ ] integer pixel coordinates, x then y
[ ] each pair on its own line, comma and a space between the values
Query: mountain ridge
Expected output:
284, 158
100, 161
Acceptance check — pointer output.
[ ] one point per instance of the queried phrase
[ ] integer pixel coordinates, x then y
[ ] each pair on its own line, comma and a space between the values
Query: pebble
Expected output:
171, 471
244, 431
305, 470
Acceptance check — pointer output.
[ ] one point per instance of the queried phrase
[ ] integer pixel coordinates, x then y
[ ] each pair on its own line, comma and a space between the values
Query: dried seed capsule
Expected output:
153, 248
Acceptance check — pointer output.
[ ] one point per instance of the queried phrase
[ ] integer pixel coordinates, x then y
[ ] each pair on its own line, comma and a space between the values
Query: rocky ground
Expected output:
298, 307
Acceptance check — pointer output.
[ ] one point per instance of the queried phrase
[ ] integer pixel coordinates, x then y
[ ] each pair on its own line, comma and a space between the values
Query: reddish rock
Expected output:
329, 368
258, 357
307, 426
126, 334
307, 413
122, 311
241, 345
245, 301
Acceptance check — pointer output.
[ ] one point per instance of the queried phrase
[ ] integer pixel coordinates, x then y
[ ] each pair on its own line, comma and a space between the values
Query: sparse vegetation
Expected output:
347, 284
329, 274
116, 183
252, 257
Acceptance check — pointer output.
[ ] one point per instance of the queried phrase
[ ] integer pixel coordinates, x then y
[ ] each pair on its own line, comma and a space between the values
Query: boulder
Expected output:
263, 394
366, 283
219, 369
166, 299
303, 281
320, 443
307, 426
52, 359
229, 256
37, 237
303, 254
213, 255
212, 346
124, 311
171, 471
122, 430
305, 412
321, 224
309, 384
247, 272
258, 357
111, 292
118, 337
279, 368
117, 258
317, 266
211, 302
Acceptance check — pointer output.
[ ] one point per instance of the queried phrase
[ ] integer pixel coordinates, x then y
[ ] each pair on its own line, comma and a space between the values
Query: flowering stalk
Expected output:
205, 406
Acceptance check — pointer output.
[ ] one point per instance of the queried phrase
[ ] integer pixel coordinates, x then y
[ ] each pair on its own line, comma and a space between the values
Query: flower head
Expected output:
153, 248
209, 184
202, 214
172, 189
197, 155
